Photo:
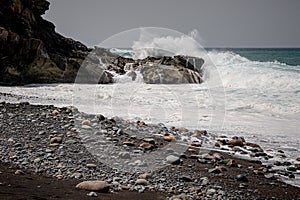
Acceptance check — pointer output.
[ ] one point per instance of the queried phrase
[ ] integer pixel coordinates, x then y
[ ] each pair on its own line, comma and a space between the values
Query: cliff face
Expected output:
30, 49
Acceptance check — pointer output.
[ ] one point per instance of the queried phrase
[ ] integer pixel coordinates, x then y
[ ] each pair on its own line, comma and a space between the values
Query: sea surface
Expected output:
255, 94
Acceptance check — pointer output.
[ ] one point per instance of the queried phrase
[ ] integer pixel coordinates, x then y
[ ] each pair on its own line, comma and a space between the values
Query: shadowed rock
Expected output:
30, 49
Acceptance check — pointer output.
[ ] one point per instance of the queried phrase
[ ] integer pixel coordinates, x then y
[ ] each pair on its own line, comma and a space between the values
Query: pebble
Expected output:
186, 178
128, 143
211, 191
174, 160
141, 182
291, 168
236, 142
242, 178
169, 138
270, 176
204, 181
144, 176
91, 165
76, 175
101, 186
55, 140
146, 146
124, 155
149, 140
19, 172
92, 194
74, 161
55, 112
100, 117
86, 127
86, 122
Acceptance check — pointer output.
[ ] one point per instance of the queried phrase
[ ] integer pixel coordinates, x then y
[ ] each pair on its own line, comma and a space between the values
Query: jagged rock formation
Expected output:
30, 49
166, 70
32, 52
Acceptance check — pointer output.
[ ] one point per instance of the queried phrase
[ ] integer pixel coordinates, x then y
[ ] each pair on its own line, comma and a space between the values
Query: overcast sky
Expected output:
221, 23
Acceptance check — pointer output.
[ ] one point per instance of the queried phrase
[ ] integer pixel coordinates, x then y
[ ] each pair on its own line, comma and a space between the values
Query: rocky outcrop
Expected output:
30, 49
166, 70
32, 52
173, 70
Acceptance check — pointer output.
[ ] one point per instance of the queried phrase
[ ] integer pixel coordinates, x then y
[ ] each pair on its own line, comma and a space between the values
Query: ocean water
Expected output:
253, 93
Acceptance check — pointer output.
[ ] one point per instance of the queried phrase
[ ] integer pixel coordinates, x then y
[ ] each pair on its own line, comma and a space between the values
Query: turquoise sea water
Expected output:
288, 56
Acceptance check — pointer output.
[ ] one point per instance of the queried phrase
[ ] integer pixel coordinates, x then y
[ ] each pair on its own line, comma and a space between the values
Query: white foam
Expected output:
155, 46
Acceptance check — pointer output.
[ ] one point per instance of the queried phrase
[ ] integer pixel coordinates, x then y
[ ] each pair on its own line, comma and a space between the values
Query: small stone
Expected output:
100, 117
182, 129
259, 154
217, 156
236, 142
298, 159
292, 176
146, 146
169, 138
42, 132
231, 163
124, 155
86, 122
186, 179
174, 160
101, 186
204, 181
54, 145
76, 175
149, 140
253, 145
195, 144
59, 177
37, 160
202, 161
91, 165
242, 178
144, 176
211, 192
141, 182
86, 127
215, 170
55, 140
141, 123
125, 187
92, 194
128, 143
19, 172
218, 144
270, 176
117, 179
291, 168
55, 112
243, 185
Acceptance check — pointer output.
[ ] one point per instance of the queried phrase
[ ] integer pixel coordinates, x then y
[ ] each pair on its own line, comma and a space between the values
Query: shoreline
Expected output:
25, 141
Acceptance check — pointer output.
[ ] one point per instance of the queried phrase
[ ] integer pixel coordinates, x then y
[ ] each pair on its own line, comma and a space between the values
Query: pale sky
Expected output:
221, 23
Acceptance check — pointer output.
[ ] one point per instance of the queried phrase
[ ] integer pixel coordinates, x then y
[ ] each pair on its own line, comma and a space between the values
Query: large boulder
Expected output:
165, 70
30, 49
164, 74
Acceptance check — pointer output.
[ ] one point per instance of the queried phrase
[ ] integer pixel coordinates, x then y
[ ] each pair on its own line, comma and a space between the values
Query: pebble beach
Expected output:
43, 143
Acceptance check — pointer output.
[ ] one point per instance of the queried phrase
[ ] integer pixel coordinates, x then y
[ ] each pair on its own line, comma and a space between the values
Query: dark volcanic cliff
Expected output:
30, 49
